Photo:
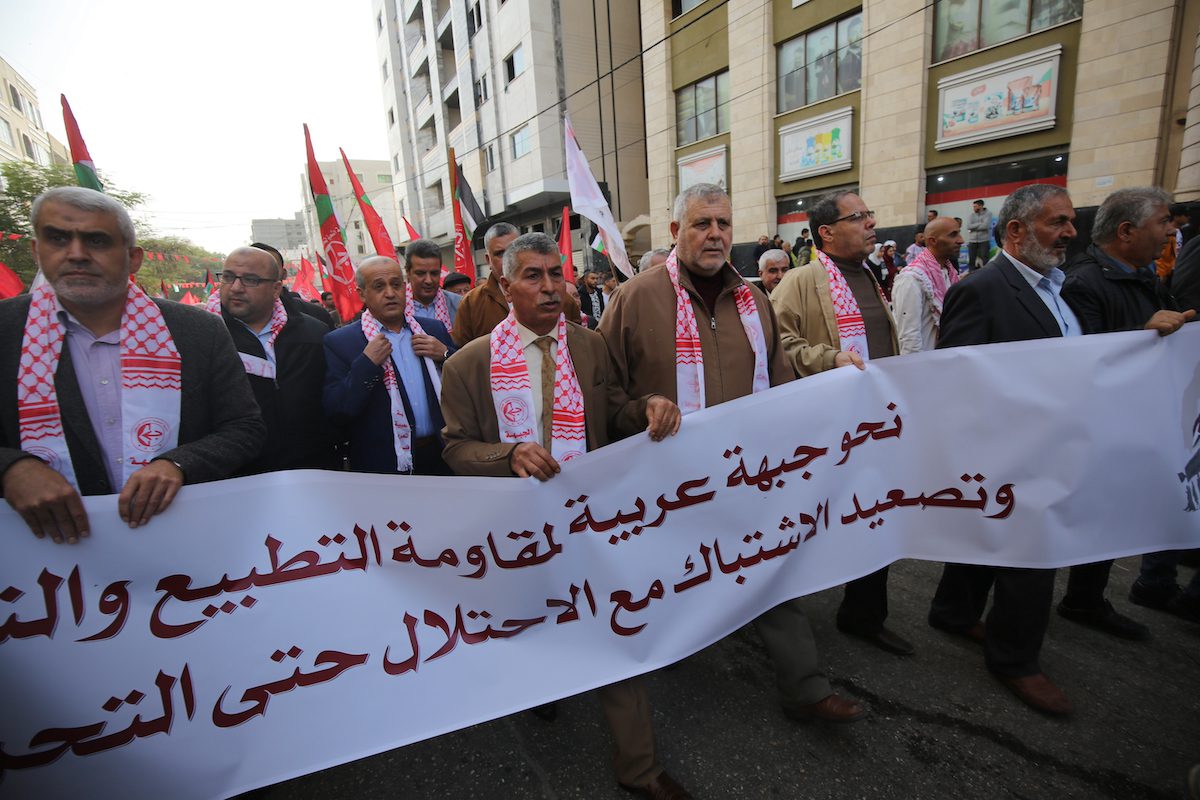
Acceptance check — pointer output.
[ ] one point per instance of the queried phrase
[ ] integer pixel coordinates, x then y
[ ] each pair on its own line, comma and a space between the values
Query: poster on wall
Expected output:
817, 145
706, 166
1007, 98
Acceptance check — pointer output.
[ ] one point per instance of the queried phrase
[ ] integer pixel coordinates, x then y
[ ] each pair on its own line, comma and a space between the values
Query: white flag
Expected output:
587, 200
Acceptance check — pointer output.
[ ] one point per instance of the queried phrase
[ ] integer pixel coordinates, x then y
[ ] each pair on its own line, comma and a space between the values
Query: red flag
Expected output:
209, 285
345, 293
303, 285
189, 299
463, 262
564, 245
85, 168
162, 288
10, 284
379, 235
412, 232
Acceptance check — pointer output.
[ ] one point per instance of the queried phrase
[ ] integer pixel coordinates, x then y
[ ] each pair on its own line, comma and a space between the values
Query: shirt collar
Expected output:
528, 337
1111, 261
1033, 277
74, 326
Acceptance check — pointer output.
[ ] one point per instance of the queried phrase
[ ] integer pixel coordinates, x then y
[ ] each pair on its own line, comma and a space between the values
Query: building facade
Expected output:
283, 234
376, 179
23, 137
917, 106
490, 79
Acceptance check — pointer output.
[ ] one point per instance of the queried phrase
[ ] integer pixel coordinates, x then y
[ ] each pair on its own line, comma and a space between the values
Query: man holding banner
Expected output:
106, 389
381, 380
733, 352
497, 425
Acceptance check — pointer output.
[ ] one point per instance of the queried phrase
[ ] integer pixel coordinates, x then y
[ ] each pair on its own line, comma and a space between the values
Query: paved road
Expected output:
940, 727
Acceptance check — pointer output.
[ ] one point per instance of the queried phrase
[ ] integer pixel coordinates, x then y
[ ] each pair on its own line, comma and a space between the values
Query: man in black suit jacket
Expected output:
1013, 298
86, 247
356, 396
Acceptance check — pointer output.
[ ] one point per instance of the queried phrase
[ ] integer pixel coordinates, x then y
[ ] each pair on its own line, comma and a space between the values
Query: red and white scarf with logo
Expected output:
935, 279
441, 309
512, 393
689, 358
150, 384
852, 331
401, 430
254, 365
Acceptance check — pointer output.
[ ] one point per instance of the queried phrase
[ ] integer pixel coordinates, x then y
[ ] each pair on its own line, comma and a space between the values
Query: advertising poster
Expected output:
1010, 97
817, 145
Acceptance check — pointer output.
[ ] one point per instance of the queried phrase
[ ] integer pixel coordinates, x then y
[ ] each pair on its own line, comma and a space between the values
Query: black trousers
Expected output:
977, 250
1017, 622
865, 604
1086, 585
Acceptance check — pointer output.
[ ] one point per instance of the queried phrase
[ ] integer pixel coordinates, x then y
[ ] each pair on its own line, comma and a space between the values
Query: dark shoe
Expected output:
975, 632
1036, 691
1193, 783
1105, 618
1186, 606
833, 708
547, 712
1156, 597
663, 787
884, 639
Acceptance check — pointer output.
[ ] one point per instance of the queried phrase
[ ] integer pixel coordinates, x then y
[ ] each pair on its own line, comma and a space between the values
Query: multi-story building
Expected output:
376, 180
490, 79
284, 234
917, 105
23, 137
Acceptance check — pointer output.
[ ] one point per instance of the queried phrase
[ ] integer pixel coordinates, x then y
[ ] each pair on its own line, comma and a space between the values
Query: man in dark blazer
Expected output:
356, 395
591, 299
85, 244
284, 360
533, 282
1014, 297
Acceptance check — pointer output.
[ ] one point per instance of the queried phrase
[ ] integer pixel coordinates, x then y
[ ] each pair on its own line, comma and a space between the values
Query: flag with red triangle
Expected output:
564, 246
412, 232
379, 235
463, 261
85, 168
345, 295
303, 285
10, 284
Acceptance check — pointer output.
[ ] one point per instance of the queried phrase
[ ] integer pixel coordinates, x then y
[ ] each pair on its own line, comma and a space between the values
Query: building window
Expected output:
391, 117
357, 224
474, 19
396, 163
514, 65
963, 26
522, 142
362, 250
702, 109
482, 93
379, 22
385, 70
683, 6
821, 63
16, 98
28, 144
489, 158
383, 178
6, 135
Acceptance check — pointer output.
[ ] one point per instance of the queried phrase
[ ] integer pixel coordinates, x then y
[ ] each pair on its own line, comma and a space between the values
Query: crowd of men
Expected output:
110, 391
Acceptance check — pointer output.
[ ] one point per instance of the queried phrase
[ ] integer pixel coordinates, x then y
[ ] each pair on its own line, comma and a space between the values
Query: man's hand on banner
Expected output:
663, 417
530, 459
1167, 322
45, 500
149, 491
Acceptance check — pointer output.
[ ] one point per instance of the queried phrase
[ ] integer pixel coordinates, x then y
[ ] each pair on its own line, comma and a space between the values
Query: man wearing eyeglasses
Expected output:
284, 358
106, 390
832, 313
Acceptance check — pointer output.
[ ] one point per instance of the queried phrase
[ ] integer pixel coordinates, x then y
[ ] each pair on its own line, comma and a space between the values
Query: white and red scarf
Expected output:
512, 393
401, 430
150, 384
254, 365
852, 331
689, 357
441, 309
935, 279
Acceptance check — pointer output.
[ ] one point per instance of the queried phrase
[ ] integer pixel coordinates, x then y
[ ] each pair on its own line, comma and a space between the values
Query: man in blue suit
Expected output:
382, 378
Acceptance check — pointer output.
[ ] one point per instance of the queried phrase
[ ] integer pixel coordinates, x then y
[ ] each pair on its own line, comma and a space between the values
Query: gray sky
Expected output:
200, 105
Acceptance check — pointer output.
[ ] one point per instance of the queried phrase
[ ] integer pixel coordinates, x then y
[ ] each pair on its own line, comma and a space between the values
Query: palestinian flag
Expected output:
85, 169
564, 245
379, 235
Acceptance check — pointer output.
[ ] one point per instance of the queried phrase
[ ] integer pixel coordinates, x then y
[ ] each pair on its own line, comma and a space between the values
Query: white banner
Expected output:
268, 627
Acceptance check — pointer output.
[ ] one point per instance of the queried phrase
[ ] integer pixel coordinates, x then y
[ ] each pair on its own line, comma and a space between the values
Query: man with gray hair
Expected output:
652, 258
771, 267
1016, 296
1112, 286
485, 306
382, 380
495, 429
423, 263
699, 297
106, 390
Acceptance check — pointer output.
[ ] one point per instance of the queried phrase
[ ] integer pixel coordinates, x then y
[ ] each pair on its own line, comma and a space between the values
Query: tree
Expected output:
183, 261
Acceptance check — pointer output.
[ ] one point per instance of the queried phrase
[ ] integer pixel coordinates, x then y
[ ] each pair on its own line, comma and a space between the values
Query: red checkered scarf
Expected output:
852, 331
150, 384
933, 279
401, 430
689, 357
261, 367
441, 309
512, 393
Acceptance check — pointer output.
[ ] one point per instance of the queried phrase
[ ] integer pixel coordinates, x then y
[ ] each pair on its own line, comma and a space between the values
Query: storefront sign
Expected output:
1007, 98
817, 145
707, 166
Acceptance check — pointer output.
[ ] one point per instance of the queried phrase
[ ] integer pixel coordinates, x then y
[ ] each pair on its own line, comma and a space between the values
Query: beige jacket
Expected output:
639, 329
807, 322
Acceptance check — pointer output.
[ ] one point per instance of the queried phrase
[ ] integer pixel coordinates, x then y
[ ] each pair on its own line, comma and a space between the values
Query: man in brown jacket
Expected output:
831, 296
533, 281
485, 306
639, 327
